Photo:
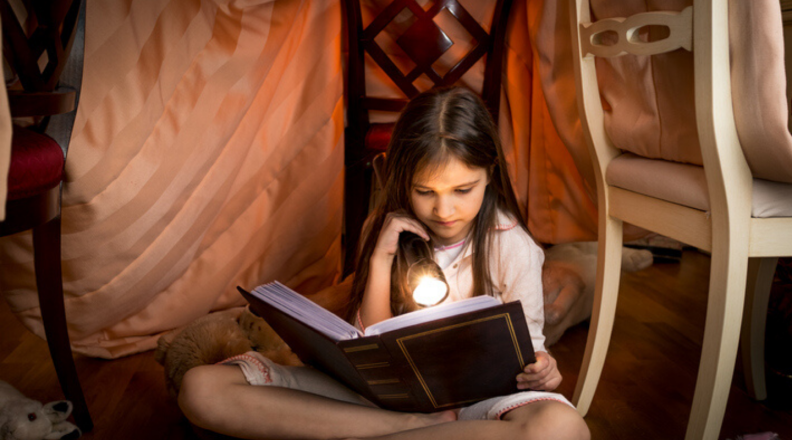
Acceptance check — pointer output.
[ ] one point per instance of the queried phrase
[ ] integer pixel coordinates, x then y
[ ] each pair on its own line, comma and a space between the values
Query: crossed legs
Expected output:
218, 398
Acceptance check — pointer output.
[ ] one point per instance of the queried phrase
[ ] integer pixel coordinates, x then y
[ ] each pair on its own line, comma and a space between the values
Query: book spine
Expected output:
381, 372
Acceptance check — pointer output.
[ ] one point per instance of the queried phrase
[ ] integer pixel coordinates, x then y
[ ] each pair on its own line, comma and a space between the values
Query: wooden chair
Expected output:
742, 247
423, 43
46, 32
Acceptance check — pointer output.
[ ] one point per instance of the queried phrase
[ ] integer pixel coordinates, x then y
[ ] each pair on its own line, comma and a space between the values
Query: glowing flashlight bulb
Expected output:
430, 291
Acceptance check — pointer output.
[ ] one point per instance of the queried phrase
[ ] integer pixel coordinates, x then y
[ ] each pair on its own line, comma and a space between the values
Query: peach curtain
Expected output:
207, 153
5, 144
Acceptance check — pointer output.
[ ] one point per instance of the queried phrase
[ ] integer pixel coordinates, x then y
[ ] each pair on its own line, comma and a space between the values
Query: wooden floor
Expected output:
645, 391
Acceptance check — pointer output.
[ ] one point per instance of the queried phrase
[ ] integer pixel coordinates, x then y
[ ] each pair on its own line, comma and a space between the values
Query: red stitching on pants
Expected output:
257, 363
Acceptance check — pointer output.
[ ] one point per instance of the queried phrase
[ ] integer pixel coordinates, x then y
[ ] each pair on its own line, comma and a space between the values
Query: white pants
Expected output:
259, 370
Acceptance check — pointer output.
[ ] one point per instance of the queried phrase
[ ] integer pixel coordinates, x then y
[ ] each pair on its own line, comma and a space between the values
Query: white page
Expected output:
322, 320
432, 314
305, 310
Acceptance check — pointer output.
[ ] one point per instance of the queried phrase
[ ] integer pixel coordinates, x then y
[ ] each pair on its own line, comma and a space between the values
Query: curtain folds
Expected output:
207, 153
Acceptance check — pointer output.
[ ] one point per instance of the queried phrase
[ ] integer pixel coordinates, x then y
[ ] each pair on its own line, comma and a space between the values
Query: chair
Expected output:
44, 35
423, 43
714, 213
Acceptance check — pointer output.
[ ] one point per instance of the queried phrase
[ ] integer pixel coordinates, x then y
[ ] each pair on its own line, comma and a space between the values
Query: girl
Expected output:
446, 181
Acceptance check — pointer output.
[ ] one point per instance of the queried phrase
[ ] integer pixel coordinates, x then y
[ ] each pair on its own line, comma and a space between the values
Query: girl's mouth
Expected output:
446, 224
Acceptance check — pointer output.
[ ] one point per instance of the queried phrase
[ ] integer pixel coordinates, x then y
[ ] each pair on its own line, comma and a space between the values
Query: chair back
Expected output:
423, 43
702, 28
37, 41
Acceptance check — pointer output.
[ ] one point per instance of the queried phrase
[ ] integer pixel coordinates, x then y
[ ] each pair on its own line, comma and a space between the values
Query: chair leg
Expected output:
47, 260
752, 336
729, 267
357, 190
609, 259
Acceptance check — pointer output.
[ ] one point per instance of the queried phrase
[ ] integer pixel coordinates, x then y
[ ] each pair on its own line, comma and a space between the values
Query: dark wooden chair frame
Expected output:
55, 24
423, 52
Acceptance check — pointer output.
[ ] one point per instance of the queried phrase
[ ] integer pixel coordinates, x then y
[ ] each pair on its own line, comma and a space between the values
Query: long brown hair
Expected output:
436, 125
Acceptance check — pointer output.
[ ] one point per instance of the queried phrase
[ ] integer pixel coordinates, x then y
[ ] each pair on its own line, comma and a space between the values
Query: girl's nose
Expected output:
444, 207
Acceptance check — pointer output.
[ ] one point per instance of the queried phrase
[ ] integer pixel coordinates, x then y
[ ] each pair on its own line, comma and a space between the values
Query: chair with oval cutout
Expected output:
723, 204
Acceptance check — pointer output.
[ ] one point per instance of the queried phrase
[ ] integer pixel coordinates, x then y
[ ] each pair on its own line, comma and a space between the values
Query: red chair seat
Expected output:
378, 136
36, 164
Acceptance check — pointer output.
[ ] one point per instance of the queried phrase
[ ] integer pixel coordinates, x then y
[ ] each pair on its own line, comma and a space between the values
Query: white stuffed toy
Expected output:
568, 279
26, 419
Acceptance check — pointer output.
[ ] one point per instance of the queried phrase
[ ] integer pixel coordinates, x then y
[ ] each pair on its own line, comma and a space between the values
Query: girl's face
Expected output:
448, 199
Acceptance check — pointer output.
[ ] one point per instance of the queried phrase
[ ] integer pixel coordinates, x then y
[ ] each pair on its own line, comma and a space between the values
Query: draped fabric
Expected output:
552, 171
207, 153
5, 145
5, 149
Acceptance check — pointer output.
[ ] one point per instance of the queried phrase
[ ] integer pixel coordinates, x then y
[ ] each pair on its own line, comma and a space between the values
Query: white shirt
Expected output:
516, 271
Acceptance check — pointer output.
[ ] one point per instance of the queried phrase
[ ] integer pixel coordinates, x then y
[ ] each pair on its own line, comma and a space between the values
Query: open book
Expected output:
433, 359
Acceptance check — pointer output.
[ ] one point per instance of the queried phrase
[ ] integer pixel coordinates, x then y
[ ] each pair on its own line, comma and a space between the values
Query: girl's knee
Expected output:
201, 389
550, 419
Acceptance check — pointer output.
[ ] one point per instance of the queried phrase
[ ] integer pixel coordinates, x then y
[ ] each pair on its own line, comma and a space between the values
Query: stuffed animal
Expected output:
215, 337
26, 419
568, 281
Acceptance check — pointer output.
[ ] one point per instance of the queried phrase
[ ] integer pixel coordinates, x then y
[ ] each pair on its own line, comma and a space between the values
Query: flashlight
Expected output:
425, 279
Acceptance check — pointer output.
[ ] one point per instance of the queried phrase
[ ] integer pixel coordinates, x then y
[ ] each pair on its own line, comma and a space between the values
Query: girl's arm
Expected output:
521, 262
376, 297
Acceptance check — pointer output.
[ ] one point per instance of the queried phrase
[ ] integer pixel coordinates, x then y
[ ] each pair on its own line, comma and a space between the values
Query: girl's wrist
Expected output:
382, 260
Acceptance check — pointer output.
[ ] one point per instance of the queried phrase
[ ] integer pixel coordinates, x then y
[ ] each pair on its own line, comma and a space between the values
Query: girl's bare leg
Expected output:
538, 420
218, 398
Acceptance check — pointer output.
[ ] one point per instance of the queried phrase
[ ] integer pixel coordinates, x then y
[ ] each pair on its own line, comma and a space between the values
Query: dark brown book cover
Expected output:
434, 366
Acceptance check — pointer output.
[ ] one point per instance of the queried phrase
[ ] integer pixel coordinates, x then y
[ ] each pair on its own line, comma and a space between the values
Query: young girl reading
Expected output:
446, 181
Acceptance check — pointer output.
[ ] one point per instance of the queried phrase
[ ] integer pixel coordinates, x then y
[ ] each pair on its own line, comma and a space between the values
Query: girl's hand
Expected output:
388, 240
542, 375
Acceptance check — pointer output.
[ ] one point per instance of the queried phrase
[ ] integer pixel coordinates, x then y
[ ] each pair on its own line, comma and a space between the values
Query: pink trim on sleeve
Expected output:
360, 322
503, 227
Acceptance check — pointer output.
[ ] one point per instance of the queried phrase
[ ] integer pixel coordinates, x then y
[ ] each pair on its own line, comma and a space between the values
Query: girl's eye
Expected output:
423, 192
464, 191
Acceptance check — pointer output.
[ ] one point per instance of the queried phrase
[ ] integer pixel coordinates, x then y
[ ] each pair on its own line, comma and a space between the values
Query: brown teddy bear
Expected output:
215, 337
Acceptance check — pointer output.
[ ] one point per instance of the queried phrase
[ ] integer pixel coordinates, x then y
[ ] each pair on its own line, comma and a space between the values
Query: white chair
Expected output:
714, 212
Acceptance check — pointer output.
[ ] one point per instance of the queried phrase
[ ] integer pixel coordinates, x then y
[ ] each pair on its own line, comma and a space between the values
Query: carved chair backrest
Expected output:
702, 28
37, 40
424, 43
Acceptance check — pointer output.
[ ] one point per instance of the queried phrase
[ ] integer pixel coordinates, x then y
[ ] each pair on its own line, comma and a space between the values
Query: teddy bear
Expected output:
214, 338
568, 277
27, 419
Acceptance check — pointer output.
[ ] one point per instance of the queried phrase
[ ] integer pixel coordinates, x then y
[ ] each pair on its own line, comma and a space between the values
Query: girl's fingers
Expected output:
539, 368
548, 383
397, 224
539, 374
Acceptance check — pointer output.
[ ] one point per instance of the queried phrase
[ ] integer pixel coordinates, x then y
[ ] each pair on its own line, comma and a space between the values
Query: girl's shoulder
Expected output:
505, 222
511, 238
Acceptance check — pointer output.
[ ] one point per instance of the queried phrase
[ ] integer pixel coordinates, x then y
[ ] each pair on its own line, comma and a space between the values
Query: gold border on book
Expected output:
361, 348
374, 365
507, 319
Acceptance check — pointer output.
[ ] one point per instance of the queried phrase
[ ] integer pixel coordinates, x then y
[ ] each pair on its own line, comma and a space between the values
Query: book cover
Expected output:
432, 366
